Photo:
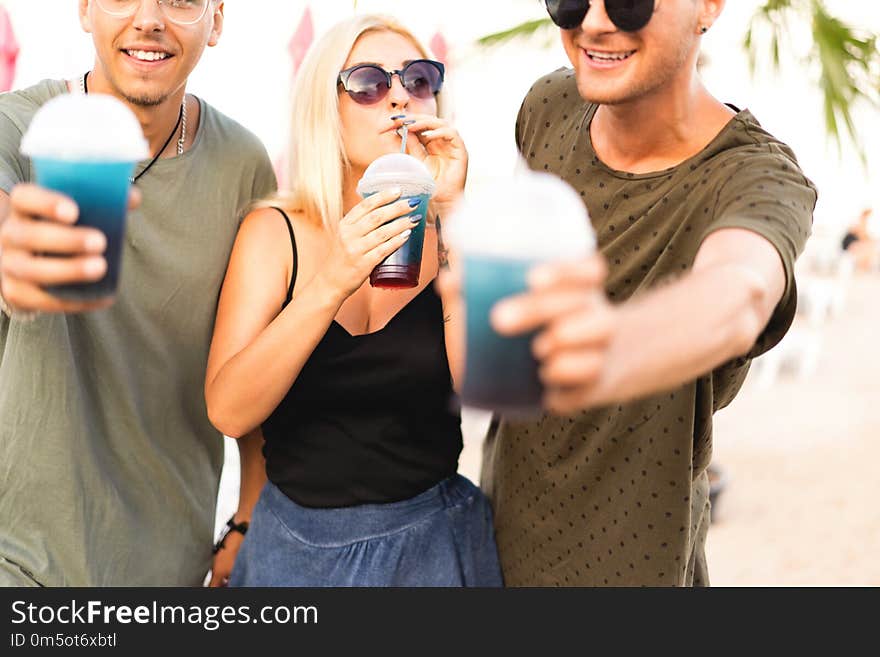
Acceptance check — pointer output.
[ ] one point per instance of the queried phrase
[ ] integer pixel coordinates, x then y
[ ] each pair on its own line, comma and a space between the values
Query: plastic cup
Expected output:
86, 147
500, 233
401, 269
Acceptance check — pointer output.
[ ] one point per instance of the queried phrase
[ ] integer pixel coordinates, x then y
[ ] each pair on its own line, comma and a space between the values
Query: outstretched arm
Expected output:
593, 353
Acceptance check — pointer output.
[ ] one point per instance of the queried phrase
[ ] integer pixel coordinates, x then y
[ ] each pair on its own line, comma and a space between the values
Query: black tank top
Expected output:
370, 418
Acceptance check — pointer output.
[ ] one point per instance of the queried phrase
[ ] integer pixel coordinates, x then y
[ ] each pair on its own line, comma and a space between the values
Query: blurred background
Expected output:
797, 453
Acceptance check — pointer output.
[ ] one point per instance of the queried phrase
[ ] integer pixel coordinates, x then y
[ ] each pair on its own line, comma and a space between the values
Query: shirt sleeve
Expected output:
536, 108
13, 166
518, 128
259, 172
265, 182
769, 195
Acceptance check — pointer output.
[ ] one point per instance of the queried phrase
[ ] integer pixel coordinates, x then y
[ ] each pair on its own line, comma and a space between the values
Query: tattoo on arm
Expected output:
442, 250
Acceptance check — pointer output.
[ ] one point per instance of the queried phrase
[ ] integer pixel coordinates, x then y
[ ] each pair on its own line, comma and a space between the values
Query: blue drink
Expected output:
500, 372
499, 233
85, 146
100, 189
401, 269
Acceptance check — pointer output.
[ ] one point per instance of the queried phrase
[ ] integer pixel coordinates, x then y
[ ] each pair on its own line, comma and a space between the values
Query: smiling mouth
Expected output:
607, 57
148, 55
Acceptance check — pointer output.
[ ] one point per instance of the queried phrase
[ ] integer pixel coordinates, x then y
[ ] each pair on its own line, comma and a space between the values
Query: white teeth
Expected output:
147, 55
610, 57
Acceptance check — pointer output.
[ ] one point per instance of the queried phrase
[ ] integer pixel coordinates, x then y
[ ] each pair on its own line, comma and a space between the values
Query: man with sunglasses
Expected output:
109, 466
699, 215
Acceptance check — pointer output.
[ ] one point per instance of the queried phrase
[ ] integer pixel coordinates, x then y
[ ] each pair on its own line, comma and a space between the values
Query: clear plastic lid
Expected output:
400, 169
85, 127
525, 216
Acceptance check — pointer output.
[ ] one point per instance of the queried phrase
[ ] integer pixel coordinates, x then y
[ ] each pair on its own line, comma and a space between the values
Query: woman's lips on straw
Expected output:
402, 130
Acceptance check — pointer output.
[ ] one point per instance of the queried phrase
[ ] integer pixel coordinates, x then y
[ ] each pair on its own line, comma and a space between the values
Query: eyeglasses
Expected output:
627, 15
368, 83
182, 12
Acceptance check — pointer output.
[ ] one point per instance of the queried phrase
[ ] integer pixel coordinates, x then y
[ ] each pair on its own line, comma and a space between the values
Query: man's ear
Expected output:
217, 28
84, 19
710, 12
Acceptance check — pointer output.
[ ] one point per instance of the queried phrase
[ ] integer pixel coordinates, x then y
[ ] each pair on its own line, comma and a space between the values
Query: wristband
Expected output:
231, 526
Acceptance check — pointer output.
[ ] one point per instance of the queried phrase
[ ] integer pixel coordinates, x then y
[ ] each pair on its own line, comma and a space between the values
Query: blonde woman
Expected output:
350, 383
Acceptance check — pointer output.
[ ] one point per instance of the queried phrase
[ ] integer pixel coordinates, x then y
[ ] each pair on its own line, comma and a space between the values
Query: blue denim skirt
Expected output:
442, 537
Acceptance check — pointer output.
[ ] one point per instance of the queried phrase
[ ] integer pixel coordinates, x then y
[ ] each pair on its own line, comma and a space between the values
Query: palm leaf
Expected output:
846, 58
517, 32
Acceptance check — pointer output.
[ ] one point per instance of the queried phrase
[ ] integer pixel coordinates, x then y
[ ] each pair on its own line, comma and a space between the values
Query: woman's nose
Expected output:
397, 95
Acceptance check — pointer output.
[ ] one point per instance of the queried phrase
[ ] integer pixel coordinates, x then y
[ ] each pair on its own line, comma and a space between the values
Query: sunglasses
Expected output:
368, 83
627, 15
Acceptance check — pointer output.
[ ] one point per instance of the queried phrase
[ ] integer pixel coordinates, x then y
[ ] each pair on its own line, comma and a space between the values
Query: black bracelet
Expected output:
231, 526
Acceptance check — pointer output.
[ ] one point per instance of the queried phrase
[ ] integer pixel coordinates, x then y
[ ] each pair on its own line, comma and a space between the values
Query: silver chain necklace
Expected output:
181, 121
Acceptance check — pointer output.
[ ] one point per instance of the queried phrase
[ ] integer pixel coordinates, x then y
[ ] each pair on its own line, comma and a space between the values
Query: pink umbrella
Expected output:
8, 51
297, 48
301, 40
440, 48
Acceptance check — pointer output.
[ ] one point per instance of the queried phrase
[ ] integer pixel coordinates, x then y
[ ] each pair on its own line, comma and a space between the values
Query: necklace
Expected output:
181, 123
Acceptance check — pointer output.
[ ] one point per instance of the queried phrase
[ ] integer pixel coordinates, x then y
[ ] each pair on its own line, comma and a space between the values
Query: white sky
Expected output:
247, 76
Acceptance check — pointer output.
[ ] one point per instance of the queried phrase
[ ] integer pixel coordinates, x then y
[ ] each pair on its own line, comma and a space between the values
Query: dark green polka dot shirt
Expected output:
619, 495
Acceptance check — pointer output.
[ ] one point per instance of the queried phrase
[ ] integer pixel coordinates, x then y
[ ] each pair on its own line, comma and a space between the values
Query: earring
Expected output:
703, 29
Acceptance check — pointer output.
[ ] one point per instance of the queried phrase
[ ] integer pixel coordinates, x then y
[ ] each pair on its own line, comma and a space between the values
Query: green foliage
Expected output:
846, 58
522, 30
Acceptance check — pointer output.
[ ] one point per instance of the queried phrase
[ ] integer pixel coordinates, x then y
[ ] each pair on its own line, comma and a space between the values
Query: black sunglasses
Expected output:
368, 83
627, 15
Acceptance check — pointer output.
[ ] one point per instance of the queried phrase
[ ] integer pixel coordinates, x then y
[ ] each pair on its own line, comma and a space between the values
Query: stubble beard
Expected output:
141, 100
660, 74
145, 101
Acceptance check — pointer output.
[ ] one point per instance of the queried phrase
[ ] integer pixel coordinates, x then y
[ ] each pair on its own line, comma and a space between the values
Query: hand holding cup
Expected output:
371, 231
41, 226
573, 322
84, 149
501, 233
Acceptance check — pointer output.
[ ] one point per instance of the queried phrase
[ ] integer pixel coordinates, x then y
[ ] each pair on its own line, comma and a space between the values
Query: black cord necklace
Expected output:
85, 90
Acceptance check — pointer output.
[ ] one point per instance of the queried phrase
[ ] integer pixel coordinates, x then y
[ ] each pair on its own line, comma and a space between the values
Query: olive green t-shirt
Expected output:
619, 495
109, 467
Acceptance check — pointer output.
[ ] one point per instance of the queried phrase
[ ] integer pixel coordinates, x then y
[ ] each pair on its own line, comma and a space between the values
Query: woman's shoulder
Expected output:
271, 217
272, 225
263, 230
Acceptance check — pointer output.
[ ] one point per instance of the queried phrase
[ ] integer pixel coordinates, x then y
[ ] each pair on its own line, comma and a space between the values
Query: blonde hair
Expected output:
316, 159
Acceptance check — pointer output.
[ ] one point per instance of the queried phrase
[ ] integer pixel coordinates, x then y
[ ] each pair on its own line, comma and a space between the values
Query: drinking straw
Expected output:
405, 134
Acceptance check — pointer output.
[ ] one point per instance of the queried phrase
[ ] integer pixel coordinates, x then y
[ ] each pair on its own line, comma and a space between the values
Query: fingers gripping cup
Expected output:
86, 147
401, 269
500, 234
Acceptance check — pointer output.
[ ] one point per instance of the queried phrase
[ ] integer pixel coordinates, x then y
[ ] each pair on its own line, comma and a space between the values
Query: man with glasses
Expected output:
700, 214
109, 466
